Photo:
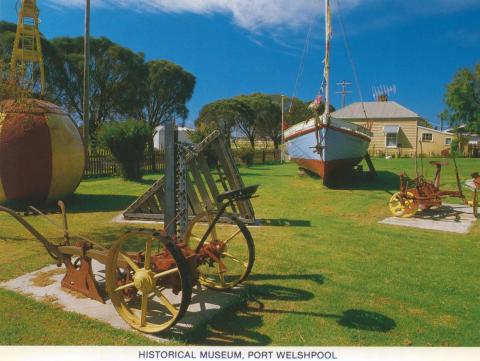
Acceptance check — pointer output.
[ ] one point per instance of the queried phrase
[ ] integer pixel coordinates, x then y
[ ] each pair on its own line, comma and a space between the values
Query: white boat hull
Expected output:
342, 146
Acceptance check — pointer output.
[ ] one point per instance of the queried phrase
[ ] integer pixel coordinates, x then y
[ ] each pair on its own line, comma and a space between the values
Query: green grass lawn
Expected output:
326, 272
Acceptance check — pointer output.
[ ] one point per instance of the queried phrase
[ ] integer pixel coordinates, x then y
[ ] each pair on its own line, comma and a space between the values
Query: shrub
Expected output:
246, 155
127, 141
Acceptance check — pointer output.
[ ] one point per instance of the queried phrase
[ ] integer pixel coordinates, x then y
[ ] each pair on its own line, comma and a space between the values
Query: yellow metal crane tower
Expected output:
27, 48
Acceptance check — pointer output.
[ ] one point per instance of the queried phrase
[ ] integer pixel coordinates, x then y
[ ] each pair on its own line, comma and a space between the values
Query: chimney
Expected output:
382, 97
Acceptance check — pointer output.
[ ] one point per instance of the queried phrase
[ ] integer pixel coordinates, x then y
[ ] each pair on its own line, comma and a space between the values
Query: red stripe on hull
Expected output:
330, 170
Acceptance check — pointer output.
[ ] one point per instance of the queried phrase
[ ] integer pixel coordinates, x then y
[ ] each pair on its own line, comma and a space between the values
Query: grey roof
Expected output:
375, 110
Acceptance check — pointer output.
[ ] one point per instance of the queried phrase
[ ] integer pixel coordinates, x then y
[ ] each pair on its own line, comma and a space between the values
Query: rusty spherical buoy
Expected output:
42, 156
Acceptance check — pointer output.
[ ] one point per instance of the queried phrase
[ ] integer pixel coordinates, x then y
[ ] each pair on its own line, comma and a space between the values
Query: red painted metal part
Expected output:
82, 280
79, 276
164, 261
428, 194
476, 180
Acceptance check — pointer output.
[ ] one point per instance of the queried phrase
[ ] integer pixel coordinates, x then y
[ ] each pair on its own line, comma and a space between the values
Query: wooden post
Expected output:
416, 151
282, 146
86, 77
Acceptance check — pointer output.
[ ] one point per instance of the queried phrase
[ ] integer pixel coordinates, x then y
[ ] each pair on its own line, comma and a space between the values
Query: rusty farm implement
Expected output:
149, 273
419, 194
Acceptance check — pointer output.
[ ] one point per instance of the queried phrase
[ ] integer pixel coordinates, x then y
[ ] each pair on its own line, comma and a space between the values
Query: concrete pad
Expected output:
447, 218
469, 183
205, 304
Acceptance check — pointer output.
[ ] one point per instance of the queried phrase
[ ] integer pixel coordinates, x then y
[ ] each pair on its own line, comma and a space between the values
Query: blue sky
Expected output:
244, 46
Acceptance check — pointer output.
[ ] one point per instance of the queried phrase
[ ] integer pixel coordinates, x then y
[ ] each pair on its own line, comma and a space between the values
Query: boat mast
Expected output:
326, 71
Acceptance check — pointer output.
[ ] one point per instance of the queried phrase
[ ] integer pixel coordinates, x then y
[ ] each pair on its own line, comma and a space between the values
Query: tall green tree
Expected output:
117, 78
296, 110
462, 98
267, 117
224, 115
167, 89
7, 36
269, 120
248, 124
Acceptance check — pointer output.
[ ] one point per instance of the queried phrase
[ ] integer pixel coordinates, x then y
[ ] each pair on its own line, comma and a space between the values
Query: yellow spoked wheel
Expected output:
147, 279
227, 255
403, 206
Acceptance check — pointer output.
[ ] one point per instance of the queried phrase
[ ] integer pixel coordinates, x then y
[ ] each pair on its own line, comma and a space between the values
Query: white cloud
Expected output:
253, 15
258, 15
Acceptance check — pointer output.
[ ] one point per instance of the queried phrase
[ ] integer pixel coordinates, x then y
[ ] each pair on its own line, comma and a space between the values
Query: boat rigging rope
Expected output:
301, 67
350, 58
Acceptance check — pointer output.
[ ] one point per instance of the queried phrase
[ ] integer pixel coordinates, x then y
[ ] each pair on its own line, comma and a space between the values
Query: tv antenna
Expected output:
383, 92
344, 90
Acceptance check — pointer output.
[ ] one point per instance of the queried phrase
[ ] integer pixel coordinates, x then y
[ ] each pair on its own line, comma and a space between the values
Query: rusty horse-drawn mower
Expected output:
150, 275
420, 194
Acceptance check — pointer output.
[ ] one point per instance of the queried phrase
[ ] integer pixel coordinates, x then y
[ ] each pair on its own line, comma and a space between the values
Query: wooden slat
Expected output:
201, 187
193, 199
153, 205
207, 174
161, 198
222, 180
144, 208
153, 189
229, 172
144, 216
247, 204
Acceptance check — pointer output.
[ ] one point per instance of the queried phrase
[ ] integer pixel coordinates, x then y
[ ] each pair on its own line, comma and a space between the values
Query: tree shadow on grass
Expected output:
366, 320
239, 328
315, 277
79, 203
268, 292
352, 318
86, 203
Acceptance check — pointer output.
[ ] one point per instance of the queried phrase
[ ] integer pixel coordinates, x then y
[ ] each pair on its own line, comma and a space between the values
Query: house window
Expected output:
427, 137
448, 141
391, 140
391, 135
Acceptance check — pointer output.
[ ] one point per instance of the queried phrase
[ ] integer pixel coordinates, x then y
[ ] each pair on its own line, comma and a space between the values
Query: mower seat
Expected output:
240, 194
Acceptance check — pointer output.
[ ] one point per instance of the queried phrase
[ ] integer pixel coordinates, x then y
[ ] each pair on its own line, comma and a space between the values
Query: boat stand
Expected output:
371, 168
